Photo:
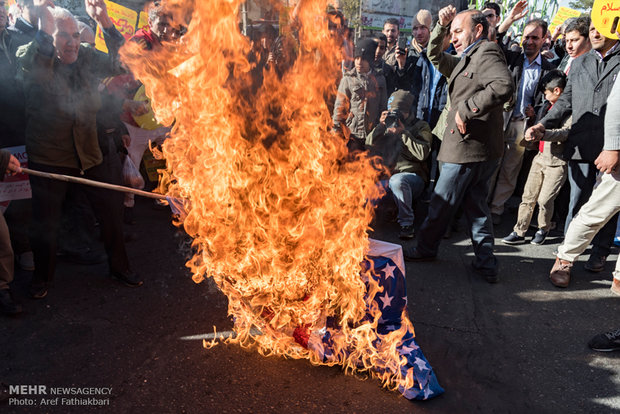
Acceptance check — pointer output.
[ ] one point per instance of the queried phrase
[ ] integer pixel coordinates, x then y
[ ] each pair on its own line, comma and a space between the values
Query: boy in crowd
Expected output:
548, 172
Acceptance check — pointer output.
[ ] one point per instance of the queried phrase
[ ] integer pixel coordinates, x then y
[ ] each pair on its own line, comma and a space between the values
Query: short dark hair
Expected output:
553, 79
477, 17
581, 25
494, 6
539, 23
392, 20
380, 36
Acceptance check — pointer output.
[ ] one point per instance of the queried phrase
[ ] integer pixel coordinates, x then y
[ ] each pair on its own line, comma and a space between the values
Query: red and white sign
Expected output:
17, 186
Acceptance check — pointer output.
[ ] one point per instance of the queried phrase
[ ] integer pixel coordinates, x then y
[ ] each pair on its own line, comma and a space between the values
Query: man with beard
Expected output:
479, 83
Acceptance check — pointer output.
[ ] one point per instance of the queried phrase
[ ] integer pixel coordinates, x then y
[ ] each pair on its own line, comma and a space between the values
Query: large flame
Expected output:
278, 212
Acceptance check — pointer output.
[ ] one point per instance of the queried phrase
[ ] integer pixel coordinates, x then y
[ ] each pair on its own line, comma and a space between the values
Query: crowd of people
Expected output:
457, 113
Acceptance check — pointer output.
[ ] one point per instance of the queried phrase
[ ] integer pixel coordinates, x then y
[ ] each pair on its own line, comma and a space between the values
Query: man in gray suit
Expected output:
479, 84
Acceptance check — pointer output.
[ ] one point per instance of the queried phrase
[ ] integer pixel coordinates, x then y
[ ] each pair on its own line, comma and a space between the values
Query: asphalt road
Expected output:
515, 347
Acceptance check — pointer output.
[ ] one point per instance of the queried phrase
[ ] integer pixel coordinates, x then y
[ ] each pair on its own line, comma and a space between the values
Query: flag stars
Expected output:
420, 363
386, 299
388, 271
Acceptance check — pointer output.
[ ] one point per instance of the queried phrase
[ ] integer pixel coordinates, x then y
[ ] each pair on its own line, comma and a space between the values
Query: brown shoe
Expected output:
615, 286
560, 272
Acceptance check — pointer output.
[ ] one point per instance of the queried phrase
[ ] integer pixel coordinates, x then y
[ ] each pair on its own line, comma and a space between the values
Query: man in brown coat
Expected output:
479, 84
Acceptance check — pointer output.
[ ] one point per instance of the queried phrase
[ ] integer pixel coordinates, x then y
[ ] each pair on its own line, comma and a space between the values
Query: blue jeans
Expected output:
465, 185
405, 188
582, 177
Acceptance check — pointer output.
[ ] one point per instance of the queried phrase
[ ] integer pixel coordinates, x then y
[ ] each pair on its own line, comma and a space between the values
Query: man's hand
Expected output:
446, 15
384, 115
608, 161
535, 133
126, 140
518, 12
401, 58
529, 111
462, 126
557, 32
98, 11
14, 167
396, 130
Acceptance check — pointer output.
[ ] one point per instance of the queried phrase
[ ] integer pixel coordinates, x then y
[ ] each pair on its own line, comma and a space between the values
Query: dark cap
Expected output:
365, 48
400, 100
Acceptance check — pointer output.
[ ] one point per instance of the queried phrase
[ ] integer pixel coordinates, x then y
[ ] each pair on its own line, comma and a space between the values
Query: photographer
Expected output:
404, 143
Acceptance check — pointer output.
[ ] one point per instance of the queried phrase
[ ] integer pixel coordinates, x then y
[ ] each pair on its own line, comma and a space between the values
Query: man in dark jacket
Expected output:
590, 81
479, 84
62, 101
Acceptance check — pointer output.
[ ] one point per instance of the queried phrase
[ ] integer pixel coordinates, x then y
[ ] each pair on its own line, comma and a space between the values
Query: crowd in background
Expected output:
465, 114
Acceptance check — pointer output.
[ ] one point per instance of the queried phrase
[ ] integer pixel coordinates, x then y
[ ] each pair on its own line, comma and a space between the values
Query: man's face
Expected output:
160, 26
532, 40
361, 65
421, 34
576, 44
463, 32
67, 41
552, 95
491, 16
391, 32
599, 42
381, 46
3, 15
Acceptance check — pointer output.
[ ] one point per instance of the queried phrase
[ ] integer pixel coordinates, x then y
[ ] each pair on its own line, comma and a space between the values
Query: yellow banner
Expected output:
123, 18
606, 17
143, 21
563, 14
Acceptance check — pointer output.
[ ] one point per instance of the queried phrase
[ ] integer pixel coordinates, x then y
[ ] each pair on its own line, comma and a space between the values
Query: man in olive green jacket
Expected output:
404, 143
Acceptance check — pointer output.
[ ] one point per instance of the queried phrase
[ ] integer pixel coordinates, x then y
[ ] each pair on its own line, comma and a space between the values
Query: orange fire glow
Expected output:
278, 213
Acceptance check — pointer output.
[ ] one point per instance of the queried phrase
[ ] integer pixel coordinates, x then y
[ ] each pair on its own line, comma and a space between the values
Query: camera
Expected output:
392, 118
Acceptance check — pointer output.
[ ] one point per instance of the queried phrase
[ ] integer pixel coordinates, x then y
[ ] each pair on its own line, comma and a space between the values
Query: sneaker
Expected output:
413, 255
513, 238
7, 304
406, 232
606, 342
595, 263
539, 237
25, 260
128, 277
615, 286
560, 273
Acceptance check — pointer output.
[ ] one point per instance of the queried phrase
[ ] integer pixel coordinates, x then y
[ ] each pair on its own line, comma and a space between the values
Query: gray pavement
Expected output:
515, 347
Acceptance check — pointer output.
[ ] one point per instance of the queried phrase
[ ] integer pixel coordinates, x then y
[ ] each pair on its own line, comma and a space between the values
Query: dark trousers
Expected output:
465, 185
18, 216
582, 177
48, 197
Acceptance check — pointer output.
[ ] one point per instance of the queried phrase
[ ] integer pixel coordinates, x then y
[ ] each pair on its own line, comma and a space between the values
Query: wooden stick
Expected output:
72, 179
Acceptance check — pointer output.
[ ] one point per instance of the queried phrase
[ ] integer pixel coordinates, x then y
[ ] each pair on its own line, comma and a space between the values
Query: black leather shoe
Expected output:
128, 277
413, 255
7, 304
595, 263
489, 275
